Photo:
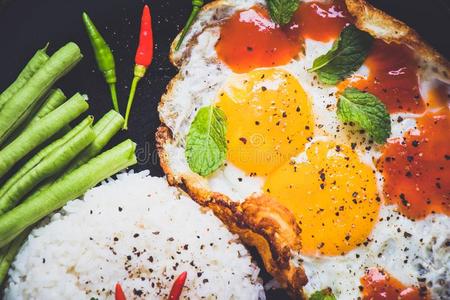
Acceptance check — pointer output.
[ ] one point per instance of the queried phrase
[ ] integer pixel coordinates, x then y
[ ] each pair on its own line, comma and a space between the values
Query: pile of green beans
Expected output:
43, 162
50, 160
16, 110
42, 130
66, 188
30, 69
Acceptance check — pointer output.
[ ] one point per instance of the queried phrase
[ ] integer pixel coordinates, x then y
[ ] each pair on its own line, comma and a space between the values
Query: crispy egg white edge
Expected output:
202, 78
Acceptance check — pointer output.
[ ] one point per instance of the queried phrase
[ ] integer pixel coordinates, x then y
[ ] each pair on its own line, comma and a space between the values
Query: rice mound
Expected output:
140, 232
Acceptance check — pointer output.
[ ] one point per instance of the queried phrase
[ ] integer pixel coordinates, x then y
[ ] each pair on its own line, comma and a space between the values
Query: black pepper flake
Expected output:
407, 234
410, 158
116, 239
263, 88
171, 239
199, 274
256, 123
129, 257
284, 114
249, 49
243, 140
136, 235
447, 156
120, 208
205, 280
404, 200
297, 109
415, 143
138, 292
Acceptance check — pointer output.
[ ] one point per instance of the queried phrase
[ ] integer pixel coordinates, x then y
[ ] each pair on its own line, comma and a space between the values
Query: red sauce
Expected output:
378, 285
249, 39
321, 21
416, 168
392, 77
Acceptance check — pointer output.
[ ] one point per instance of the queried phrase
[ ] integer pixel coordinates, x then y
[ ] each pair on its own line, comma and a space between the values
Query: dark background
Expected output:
27, 25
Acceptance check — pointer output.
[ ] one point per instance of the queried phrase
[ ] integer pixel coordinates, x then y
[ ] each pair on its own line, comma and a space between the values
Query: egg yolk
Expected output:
269, 119
332, 194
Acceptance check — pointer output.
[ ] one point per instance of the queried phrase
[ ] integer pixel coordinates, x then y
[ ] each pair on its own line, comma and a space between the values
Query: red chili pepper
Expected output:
177, 287
119, 293
143, 59
144, 54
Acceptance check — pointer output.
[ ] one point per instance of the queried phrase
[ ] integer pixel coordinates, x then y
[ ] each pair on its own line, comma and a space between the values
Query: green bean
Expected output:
104, 130
49, 161
35, 63
9, 252
38, 133
53, 100
68, 187
18, 107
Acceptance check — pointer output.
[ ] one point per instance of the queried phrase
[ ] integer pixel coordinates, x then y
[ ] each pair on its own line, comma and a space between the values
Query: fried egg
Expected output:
285, 140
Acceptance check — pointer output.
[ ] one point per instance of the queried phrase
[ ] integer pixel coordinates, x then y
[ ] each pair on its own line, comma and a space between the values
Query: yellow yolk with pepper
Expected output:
269, 119
332, 194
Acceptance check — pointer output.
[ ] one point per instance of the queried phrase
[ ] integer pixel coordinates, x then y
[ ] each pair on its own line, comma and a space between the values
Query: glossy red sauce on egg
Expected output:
392, 77
320, 21
379, 285
416, 168
250, 39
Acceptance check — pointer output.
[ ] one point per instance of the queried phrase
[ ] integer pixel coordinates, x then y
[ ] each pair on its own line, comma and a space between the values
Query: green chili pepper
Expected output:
49, 161
66, 188
196, 6
104, 57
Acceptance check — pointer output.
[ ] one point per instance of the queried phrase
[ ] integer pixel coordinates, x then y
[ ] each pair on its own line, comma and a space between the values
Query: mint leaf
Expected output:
322, 295
346, 56
206, 145
367, 111
281, 11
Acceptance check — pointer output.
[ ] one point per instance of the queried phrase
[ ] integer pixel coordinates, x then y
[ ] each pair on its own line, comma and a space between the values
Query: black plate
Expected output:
27, 25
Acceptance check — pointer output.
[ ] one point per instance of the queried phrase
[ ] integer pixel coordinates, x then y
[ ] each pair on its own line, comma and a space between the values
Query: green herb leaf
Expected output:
347, 54
281, 11
367, 111
323, 295
206, 146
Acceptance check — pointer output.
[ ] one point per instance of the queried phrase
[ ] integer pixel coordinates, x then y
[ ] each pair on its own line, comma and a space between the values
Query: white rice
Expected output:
140, 232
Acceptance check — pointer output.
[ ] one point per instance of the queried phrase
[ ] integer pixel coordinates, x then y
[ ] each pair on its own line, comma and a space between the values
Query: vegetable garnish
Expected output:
196, 6
347, 54
281, 11
206, 145
103, 56
119, 294
143, 59
323, 295
367, 111
177, 287
66, 188
17, 109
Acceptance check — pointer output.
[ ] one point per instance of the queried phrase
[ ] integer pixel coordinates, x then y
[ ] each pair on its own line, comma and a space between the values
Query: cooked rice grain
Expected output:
140, 232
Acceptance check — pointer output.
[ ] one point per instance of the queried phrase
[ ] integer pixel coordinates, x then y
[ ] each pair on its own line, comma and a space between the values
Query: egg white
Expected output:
424, 254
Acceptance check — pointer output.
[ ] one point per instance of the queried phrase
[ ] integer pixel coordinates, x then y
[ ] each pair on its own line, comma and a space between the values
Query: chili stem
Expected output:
196, 6
112, 88
134, 84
